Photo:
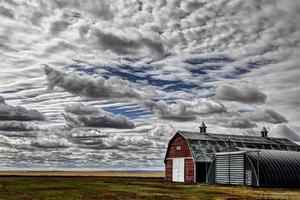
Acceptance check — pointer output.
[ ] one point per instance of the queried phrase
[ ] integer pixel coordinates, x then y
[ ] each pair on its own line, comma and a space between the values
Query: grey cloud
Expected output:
116, 142
129, 142
184, 110
89, 86
90, 142
7, 12
282, 130
2, 100
243, 94
80, 109
58, 26
162, 132
20, 133
60, 46
81, 115
266, 115
19, 126
122, 45
18, 119
97, 9
238, 123
250, 119
85, 132
50, 143
248, 31
8, 112
17, 143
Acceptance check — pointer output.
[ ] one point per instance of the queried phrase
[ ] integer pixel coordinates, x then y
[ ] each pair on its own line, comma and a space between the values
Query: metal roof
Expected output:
277, 168
203, 146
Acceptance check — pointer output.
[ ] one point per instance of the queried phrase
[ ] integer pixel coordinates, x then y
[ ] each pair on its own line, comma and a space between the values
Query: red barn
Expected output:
190, 154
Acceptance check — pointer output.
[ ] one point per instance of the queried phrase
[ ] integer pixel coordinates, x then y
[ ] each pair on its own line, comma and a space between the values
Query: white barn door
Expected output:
178, 170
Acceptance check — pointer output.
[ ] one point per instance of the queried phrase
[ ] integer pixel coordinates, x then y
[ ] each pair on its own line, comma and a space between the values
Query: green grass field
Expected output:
110, 188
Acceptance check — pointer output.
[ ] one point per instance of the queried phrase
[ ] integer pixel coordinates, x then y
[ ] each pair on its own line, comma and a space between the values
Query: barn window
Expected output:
178, 148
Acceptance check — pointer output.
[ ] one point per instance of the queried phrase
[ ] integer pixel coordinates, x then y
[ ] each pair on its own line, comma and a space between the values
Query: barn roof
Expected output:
204, 146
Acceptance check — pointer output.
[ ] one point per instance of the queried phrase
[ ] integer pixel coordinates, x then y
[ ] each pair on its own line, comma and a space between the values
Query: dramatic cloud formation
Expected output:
243, 94
239, 61
79, 115
88, 86
17, 118
184, 110
8, 112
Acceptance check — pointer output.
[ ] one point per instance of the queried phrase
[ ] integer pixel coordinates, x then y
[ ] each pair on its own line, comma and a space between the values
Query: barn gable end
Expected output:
179, 148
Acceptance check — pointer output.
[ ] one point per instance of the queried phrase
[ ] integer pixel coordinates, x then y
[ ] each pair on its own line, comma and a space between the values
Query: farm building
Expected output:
256, 167
190, 154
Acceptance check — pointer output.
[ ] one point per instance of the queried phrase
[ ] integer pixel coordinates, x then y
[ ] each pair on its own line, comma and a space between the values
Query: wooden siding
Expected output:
189, 168
178, 141
179, 148
168, 170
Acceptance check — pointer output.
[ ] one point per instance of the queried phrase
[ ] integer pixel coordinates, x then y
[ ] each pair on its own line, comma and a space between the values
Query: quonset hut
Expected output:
190, 154
271, 168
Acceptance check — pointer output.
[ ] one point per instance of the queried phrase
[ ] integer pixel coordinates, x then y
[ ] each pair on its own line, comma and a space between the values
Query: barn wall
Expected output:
178, 141
183, 152
168, 170
189, 167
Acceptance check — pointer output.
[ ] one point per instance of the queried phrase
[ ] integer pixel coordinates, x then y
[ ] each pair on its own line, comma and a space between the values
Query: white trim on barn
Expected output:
179, 157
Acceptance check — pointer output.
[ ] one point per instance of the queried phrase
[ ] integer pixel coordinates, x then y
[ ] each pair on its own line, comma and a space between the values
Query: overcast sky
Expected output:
105, 84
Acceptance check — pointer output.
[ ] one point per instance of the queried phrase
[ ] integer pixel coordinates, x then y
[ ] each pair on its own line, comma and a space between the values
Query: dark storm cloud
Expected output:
8, 112
122, 45
79, 115
89, 86
184, 110
243, 94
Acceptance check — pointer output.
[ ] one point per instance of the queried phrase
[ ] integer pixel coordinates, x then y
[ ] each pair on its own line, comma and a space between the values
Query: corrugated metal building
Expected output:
190, 154
271, 168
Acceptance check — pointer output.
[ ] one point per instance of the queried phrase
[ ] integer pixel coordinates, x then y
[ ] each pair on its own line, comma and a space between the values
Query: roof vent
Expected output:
264, 132
202, 127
